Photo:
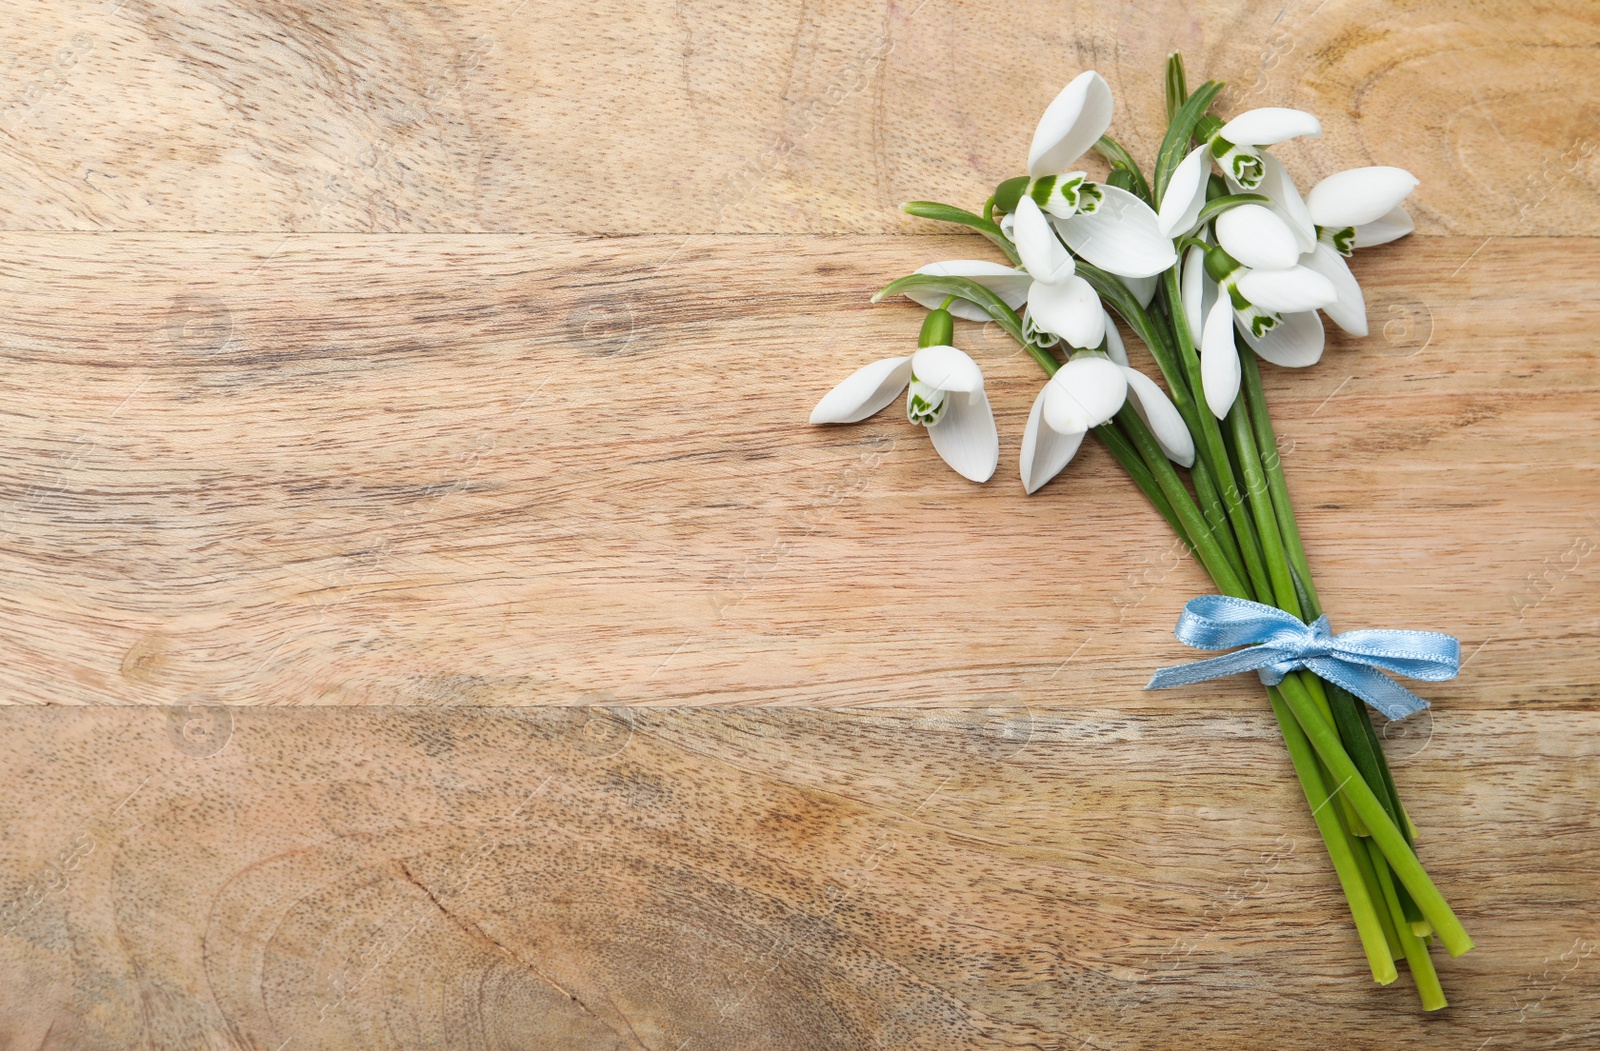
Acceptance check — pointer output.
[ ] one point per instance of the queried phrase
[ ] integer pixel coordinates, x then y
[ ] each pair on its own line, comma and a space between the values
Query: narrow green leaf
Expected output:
967, 289
1181, 131
1177, 85
948, 213
1121, 160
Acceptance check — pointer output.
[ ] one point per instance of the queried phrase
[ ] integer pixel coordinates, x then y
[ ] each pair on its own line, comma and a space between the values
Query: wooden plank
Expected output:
485, 878
776, 115
489, 470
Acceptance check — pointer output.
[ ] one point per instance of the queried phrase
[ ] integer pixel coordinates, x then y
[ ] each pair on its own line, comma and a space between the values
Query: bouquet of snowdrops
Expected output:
1212, 261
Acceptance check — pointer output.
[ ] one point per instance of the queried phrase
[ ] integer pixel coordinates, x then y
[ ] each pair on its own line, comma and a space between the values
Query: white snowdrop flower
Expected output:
1086, 392
944, 394
1059, 301
1104, 224
1236, 146
1274, 311
1354, 209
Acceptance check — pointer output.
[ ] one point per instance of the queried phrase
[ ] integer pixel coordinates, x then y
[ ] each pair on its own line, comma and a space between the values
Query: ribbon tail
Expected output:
1380, 692
1251, 659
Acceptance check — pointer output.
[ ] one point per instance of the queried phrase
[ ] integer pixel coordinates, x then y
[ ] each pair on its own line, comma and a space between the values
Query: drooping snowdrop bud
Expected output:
944, 394
1059, 301
1086, 392
1104, 223
1256, 236
1237, 144
1275, 310
1361, 207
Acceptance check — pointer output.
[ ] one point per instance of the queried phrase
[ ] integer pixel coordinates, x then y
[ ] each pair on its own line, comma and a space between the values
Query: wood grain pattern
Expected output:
387, 386
554, 470
626, 878
776, 115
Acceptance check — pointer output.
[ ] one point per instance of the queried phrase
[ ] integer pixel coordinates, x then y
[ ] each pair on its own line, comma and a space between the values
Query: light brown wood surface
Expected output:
453, 359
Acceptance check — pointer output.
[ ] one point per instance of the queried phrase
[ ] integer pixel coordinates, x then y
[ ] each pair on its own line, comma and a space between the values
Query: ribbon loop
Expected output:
1277, 643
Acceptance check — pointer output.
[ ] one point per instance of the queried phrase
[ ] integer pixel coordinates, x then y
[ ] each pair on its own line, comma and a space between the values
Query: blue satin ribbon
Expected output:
1278, 643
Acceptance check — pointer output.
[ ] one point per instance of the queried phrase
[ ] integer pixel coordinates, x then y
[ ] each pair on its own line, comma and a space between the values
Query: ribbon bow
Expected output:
1278, 643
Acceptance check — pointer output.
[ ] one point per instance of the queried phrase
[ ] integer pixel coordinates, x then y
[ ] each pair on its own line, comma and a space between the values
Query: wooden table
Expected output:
429, 621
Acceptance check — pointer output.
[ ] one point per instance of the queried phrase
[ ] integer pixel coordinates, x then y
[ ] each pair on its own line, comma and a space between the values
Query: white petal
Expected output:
1085, 393
1122, 236
1186, 193
966, 436
1041, 252
1256, 236
1114, 346
1349, 309
1219, 360
1069, 309
1394, 225
1198, 290
864, 391
1297, 288
1269, 125
1071, 125
1359, 196
1045, 450
947, 369
1286, 201
1295, 343
1143, 288
1161, 416
1006, 282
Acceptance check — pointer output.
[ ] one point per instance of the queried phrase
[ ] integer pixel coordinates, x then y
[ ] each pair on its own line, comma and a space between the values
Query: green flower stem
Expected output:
946, 213
1206, 481
1355, 726
1340, 846
1208, 441
1370, 861
1416, 953
1126, 455
1325, 739
1210, 501
1277, 485
1200, 535
1124, 452
1255, 486
1121, 160
1341, 849
1283, 590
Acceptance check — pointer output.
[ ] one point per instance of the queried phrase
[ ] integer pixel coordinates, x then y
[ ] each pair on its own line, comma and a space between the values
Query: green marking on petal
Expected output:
1341, 239
1057, 194
1248, 171
925, 405
1261, 324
